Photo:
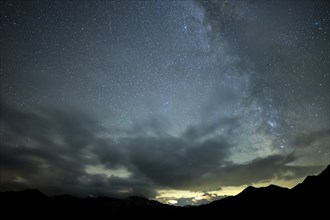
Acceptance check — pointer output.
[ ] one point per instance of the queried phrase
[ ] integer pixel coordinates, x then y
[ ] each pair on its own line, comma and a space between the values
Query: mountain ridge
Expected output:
307, 198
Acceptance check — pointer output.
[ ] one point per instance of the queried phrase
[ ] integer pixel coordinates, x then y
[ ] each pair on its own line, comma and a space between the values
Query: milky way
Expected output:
182, 101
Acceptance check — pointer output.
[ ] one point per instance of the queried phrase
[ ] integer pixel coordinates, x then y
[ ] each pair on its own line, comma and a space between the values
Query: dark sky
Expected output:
180, 101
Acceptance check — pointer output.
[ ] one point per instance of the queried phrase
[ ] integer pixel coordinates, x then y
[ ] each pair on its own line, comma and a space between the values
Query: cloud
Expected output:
52, 148
58, 151
223, 125
175, 162
305, 140
155, 126
257, 170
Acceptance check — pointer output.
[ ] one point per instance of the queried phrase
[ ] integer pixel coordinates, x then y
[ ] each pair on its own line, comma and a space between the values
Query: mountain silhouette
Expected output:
313, 184
307, 199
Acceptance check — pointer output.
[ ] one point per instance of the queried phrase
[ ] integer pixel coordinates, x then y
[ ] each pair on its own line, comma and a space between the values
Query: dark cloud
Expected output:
305, 140
154, 126
223, 126
51, 148
175, 162
264, 169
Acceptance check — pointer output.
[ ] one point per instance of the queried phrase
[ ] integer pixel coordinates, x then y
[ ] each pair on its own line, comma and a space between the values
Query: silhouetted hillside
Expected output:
311, 197
308, 199
314, 184
35, 204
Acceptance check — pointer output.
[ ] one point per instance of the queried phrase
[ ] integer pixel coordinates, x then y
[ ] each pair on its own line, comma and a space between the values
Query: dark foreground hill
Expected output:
308, 199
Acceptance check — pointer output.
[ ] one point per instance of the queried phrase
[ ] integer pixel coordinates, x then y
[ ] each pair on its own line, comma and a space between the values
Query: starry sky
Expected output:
179, 101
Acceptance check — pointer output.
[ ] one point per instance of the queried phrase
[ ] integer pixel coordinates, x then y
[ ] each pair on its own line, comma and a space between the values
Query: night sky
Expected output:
180, 101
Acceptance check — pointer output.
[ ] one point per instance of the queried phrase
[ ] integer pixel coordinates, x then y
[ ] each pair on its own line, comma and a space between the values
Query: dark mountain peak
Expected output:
65, 197
141, 198
143, 202
248, 190
315, 184
275, 188
310, 196
28, 196
31, 193
252, 191
34, 193
325, 172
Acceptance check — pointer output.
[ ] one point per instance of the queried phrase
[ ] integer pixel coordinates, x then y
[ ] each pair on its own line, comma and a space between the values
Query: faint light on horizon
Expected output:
172, 202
